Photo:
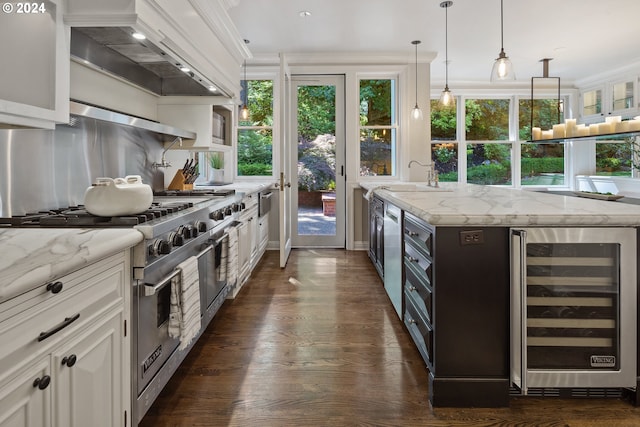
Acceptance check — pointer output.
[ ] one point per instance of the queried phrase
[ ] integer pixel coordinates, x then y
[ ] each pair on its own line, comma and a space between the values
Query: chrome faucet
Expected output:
432, 173
163, 162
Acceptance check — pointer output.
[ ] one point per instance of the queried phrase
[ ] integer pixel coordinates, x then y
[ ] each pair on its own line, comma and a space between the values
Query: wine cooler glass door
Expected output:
575, 307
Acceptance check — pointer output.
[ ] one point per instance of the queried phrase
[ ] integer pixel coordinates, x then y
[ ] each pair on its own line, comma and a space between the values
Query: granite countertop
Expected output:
456, 204
34, 256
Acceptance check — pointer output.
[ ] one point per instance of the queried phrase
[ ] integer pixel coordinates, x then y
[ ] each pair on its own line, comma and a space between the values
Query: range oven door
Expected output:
154, 346
213, 273
573, 308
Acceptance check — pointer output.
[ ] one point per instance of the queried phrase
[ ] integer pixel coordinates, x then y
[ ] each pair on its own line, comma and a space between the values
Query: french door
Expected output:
317, 153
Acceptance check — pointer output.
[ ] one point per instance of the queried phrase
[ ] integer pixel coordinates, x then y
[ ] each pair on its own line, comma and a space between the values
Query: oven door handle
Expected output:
151, 289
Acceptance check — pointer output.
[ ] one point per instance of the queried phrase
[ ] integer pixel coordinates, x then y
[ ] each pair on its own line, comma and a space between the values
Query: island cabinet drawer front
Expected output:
420, 331
34, 331
419, 293
418, 264
418, 234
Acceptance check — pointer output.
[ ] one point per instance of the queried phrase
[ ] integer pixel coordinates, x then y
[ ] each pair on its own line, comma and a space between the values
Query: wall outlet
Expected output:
474, 237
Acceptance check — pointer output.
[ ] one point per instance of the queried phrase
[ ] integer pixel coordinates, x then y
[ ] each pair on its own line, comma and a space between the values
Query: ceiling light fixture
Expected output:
184, 69
244, 112
502, 68
416, 113
446, 98
304, 13
138, 36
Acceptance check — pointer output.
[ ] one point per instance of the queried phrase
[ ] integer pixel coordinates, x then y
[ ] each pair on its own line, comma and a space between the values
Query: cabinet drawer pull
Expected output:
67, 321
412, 322
43, 382
412, 259
412, 288
54, 287
411, 233
69, 360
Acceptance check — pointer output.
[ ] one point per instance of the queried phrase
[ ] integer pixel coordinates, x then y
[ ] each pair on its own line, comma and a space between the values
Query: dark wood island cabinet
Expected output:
456, 308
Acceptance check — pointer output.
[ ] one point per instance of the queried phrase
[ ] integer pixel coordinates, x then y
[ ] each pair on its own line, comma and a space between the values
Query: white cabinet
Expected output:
23, 404
88, 386
211, 118
614, 98
65, 358
34, 89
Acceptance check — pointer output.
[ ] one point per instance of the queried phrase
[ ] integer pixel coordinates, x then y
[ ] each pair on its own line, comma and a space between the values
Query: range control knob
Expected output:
242, 206
160, 247
228, 211
217, 215
236, 207
199, 227
176, 239
185, 231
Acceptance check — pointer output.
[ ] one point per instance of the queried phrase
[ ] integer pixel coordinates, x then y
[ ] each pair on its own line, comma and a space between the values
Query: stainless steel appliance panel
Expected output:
573, 308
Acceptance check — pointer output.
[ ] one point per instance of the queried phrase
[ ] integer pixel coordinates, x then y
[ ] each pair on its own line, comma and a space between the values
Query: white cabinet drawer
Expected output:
36, 324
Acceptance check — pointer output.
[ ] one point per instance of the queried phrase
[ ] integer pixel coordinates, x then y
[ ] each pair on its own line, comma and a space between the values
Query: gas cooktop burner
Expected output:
77, 216
196, 193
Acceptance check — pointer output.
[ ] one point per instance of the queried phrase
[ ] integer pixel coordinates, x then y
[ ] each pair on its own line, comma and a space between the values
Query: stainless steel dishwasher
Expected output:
393, 255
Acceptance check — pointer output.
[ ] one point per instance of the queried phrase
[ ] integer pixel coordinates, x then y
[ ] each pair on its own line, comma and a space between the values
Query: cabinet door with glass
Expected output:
591, 106
622, 97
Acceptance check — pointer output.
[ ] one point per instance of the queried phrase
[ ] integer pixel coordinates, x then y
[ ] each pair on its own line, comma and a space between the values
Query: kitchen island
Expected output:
461, 285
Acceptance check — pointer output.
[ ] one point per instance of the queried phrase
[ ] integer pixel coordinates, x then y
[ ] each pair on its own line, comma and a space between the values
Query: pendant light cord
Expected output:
446, 46
501, 25
416, 45
246, 86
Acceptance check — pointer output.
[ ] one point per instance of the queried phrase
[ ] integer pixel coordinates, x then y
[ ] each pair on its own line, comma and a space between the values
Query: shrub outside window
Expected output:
444, 147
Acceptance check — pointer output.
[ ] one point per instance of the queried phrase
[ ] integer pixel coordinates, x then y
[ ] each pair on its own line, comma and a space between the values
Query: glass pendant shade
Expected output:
244, 113
502, 69
416, 113
446, 98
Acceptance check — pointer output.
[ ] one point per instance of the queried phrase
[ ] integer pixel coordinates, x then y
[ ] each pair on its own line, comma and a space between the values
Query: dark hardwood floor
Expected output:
319, 344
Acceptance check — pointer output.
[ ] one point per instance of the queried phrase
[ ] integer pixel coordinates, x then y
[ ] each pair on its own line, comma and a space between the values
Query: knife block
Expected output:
177, 183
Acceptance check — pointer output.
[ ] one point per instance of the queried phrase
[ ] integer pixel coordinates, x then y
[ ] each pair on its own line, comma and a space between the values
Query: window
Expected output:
540, 163
255, 135
488, 163
444, 146
617, 157
378, 127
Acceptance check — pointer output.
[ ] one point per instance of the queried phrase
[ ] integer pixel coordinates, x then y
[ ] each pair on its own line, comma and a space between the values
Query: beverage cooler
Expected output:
573, 310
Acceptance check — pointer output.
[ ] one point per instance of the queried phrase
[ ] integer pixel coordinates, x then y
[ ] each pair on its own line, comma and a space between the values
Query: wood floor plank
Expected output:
319, 344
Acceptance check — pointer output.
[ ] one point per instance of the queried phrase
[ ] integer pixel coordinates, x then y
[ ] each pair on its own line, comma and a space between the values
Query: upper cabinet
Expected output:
34, 78
615, 98
211, 118
197, 35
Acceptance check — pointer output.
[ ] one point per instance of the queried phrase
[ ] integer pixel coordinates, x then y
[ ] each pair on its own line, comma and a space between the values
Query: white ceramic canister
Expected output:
118, 197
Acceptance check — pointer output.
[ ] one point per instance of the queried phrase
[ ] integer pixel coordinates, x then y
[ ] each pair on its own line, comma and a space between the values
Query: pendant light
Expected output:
244, 112
502, 68
446, 98
416, 113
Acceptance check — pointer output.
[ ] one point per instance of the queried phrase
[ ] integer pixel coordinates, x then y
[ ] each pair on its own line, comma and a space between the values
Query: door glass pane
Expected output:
316, 160
623, 96
573, 305
592, 102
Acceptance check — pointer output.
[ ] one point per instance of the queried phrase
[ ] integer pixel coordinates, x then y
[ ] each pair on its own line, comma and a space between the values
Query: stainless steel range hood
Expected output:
114, 50
165, 132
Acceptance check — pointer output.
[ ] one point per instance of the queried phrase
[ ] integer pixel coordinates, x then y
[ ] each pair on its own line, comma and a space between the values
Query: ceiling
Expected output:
585, 38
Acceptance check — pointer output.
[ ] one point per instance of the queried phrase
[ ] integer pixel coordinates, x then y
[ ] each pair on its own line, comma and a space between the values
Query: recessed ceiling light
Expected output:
304, 13
185, 69
139, 36
212, 89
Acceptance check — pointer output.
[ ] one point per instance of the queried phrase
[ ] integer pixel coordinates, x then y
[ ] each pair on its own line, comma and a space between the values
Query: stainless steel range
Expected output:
178, 225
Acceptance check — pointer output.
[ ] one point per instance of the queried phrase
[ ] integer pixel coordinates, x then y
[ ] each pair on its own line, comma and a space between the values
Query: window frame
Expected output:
274, 128
394, 127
